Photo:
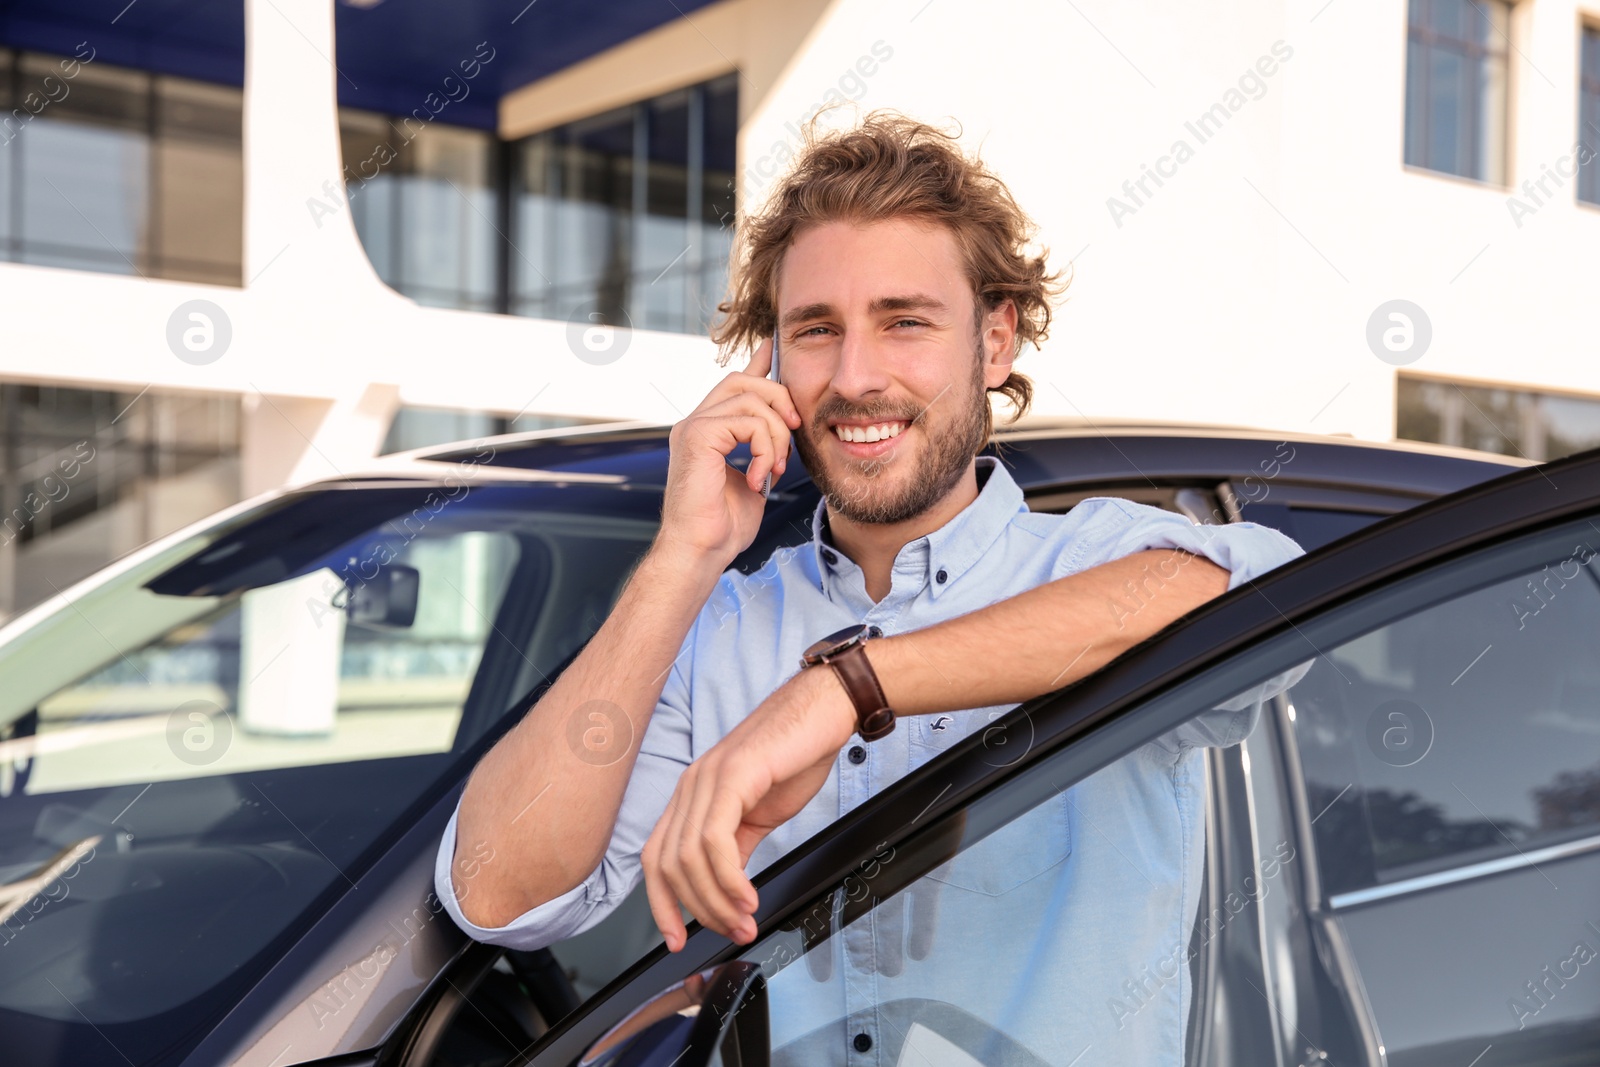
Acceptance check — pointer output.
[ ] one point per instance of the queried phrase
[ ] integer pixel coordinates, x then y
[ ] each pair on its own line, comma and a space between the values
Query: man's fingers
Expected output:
738, 383
663, 905
724, 432
722, 855
708, 848
692, 879
760, 363
676, 843
779, 423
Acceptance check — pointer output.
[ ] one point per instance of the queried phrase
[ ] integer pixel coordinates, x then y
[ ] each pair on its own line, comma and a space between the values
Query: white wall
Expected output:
1241, 290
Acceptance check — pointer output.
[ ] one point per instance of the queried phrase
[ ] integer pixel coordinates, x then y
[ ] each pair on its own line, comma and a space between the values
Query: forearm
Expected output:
1044, 638
546, 806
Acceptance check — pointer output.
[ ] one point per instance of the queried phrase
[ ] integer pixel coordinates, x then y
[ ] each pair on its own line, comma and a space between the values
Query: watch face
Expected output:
840, 640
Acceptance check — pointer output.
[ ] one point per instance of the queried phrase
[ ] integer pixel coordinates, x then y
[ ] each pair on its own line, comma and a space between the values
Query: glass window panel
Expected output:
1513, 422
209, 747
1446, 92
587, 235
89, 475
716, 198
366, 148
534, 208
594, 217
722, 123
448, 203
199, 159
84, 180
9, 132
1489, 162
98, 94
1456, 85
1416, 104
664, 243
1085, 908
1462, 732
415, 427
1589, 118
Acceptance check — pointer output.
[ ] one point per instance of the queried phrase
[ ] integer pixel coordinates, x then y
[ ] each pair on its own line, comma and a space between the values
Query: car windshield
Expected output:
198, 755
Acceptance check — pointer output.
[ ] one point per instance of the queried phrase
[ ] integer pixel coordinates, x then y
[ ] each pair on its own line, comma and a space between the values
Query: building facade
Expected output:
248, 244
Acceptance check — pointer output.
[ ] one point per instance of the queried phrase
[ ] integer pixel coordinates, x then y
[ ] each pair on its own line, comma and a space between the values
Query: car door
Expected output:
871, 952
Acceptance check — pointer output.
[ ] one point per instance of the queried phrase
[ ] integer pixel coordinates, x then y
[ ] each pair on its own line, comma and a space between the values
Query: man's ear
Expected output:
999, 341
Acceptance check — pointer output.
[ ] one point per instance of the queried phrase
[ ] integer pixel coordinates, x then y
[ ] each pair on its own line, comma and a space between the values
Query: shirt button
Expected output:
941, 576
862, 1042
828, 555
858, 755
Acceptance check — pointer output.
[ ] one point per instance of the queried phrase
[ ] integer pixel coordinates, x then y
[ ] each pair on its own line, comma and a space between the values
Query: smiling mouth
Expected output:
881, 431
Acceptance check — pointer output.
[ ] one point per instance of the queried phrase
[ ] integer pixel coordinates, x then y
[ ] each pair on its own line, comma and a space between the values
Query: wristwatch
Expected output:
843, 652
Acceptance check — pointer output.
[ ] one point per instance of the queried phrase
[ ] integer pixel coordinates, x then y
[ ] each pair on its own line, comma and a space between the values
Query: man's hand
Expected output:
728, 800
710, 508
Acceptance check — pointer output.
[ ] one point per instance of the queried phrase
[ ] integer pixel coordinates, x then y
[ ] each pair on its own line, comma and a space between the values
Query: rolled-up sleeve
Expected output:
663, 755
1114, 528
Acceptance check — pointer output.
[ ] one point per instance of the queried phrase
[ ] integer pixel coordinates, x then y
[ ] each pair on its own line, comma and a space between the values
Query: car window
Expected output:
1058, 919
1310, 527
1464, 731
1451, 760
189, 780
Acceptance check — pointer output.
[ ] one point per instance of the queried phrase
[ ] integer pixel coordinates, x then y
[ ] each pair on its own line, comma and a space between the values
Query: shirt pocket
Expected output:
1018, 852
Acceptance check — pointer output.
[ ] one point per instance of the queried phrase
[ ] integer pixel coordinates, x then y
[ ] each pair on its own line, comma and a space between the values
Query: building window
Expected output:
1456, 78
425, 202
1589, 117
417, 427
1511, 422
624, 218
88, 475
124, 171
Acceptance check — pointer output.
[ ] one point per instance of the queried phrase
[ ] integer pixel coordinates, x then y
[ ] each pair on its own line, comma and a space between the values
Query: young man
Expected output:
895, 273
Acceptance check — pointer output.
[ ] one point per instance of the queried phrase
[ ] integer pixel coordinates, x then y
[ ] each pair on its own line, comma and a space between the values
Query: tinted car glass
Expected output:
1033, 926
189, 780
1450, 749
1311, 528
1465, 731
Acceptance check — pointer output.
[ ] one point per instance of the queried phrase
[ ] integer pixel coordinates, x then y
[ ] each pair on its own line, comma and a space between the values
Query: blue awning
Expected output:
391, 54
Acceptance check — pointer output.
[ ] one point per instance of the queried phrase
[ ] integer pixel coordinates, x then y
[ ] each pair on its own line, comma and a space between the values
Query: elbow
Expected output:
487, 904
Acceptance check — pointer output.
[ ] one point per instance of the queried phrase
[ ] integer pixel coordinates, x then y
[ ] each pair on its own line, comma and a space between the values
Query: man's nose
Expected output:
861, 370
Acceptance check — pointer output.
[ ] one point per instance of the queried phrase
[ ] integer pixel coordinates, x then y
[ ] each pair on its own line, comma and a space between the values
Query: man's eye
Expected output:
909, 322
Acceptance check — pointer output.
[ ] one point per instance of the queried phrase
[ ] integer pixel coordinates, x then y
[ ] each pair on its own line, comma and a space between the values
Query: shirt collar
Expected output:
950, 550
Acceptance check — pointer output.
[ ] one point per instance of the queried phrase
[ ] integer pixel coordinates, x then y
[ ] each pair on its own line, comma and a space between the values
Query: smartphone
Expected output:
766, 482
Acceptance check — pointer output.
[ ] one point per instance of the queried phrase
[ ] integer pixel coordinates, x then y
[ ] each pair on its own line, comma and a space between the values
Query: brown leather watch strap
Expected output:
874, 717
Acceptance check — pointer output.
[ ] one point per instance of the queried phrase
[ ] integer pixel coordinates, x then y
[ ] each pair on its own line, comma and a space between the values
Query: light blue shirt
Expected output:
1063, 930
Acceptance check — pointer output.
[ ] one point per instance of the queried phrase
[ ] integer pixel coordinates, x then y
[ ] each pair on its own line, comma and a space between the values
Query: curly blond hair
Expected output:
891, 166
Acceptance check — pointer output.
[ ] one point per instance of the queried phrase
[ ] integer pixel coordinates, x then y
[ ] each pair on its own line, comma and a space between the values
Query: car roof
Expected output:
516, 450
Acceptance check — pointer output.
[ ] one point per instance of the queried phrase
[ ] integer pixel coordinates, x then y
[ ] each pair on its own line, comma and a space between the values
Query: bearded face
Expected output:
898, 477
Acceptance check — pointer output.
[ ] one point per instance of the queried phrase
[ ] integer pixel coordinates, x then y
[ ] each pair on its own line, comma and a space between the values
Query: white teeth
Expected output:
868, 434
